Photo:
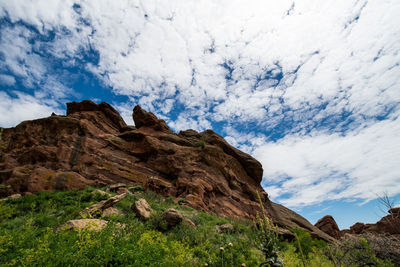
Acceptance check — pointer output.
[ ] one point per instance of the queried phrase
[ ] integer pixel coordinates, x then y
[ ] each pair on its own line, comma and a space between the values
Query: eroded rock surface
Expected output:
93, 146
142, 209
329, 226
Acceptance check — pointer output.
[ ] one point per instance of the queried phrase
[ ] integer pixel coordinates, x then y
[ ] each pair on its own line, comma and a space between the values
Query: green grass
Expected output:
28, 236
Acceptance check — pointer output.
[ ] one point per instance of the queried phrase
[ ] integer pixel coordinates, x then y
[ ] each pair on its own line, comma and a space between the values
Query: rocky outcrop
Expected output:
329, 226
389, 224
93, 146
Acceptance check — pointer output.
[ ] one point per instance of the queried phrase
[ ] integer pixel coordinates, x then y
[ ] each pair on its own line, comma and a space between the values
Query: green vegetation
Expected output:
28, 237
201, 143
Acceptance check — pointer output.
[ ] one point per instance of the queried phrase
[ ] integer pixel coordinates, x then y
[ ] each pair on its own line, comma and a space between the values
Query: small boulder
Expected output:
14, 196
226, 228
172, 217
89, 224
101, 192
111, 211
115, 187
142, 209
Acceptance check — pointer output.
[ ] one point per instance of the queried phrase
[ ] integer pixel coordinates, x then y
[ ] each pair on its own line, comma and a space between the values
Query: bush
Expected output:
268, 238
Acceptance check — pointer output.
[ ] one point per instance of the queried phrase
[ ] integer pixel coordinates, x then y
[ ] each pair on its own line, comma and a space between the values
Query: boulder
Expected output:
96, 210
101, 192
226, 228
329, 226
142, 209
172, 217
13, 196
111, 211
89, 224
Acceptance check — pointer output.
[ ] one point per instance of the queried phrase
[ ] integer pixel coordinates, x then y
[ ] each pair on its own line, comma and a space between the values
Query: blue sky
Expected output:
310, 88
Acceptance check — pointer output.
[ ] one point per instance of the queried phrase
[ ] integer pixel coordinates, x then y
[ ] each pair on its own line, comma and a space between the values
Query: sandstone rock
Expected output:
226, 228
328, 225
97, 209
93, 146
13, 196
104, 107
101, 192
357, 228
115, 187
394, 211
111, 211
89, 224
172, 217
143, 118
142, 209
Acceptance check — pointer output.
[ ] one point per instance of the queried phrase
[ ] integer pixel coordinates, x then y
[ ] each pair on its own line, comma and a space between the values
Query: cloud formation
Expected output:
310, 88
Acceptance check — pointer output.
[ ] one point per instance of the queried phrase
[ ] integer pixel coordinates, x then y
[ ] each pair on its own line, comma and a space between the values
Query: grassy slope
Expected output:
27, 236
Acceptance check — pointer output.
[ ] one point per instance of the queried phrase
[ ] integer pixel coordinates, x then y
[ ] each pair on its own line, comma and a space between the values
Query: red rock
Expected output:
329, 226
93, 146
357, 228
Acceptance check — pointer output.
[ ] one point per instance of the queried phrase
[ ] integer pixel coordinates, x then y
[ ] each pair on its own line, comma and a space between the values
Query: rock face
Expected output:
93, 146
329, 226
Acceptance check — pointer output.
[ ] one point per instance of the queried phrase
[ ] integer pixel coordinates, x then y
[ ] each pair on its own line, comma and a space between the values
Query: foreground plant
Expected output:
268, 238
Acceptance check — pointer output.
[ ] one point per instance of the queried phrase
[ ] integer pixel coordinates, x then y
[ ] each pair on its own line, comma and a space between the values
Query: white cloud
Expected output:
320, 166
7, 80
346, 52
24, 107
319, 72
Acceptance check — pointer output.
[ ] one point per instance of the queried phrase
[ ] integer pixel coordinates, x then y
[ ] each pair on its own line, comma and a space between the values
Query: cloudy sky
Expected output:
310, 88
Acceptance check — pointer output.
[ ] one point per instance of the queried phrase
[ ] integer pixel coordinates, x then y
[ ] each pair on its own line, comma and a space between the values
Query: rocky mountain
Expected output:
92, 145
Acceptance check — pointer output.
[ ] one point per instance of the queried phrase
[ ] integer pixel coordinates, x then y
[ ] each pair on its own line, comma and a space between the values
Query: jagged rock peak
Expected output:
142, 118
88, 105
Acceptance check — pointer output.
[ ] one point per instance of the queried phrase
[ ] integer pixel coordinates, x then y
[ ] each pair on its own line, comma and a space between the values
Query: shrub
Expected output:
136, 188
268, 238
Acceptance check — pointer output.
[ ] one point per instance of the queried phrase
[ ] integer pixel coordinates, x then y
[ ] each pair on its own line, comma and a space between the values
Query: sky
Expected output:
310, 88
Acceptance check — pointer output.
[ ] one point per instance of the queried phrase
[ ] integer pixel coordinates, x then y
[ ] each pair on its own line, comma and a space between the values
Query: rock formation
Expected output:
389, 224
329, 226
92, 145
